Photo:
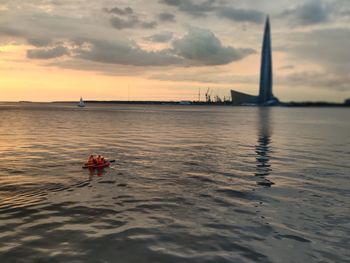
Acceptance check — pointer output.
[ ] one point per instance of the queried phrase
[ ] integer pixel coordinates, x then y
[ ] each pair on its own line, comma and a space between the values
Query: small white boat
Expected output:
81, 103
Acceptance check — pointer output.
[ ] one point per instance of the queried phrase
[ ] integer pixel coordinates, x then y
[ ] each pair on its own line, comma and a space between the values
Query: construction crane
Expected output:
208, 95
218, 99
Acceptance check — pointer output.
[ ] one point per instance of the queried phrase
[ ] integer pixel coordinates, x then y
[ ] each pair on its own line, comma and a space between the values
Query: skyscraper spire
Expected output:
265, 92
265, 97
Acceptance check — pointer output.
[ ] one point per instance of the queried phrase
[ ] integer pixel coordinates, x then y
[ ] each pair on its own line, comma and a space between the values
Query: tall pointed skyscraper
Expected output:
265, 97
265, 92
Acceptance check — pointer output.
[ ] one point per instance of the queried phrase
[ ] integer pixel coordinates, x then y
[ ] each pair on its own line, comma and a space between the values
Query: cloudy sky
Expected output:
171, 49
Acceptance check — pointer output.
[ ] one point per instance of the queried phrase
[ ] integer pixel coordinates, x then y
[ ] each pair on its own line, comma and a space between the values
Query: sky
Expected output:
54, 50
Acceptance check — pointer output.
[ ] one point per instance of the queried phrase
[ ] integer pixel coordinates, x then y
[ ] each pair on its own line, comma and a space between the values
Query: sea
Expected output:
189, 183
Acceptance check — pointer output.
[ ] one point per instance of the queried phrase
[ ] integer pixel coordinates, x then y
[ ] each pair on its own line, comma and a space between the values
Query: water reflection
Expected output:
263, 167
95, 172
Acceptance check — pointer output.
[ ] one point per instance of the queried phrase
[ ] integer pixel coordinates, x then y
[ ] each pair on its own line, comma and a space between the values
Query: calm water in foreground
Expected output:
190, 184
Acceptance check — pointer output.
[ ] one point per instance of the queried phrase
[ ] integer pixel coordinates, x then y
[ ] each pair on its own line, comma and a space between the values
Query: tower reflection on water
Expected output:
263, 149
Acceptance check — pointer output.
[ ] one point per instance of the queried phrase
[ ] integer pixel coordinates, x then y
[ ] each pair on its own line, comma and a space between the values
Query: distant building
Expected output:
266, 78
240, 98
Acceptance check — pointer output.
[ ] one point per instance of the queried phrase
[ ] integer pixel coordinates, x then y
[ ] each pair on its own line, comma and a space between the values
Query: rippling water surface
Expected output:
190, 184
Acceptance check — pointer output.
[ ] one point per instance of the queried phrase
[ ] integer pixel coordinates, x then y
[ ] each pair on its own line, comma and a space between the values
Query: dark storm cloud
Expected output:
202, 8
192, 7
119, 11
310, 13
125, 54
161, 37
149, 24
241, 15
131, 22
202, 47
90, 42
166, 17
47, 53
121, 23
126, 18
198, 47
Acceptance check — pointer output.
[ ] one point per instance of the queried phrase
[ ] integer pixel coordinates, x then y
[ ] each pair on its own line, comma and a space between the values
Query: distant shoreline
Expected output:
197, 103
227, 103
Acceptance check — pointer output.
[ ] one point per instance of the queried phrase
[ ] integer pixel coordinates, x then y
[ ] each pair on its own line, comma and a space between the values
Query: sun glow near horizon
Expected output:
34, 80
24, 80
